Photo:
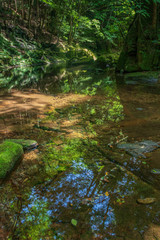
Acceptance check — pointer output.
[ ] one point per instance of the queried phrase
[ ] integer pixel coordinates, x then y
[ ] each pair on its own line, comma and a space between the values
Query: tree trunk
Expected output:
22, 9
142, 49
154, 17
29, 14
15, 5
70, 37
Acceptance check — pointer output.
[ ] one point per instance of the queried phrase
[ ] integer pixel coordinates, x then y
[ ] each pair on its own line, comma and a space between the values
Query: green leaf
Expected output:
74, 222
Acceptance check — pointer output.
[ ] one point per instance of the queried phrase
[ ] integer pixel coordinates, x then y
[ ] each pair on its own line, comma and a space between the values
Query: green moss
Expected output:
26, 144
10, 153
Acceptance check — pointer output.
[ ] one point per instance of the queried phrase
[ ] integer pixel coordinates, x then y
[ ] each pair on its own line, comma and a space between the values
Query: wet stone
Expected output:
26, 144
155, 171
139, 109
146, 200
138, 149
153, 232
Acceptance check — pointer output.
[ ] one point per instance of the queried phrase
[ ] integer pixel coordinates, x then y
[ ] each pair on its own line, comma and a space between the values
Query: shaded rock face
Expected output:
141, 48
10, 153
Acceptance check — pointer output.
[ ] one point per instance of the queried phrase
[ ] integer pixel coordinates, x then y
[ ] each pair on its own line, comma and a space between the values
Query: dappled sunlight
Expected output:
26, 101
20, 110
79, 126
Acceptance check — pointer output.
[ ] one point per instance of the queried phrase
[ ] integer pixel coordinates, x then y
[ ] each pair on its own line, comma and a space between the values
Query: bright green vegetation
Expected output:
57, 158
18, 51
45, 31
10, 153
42, 31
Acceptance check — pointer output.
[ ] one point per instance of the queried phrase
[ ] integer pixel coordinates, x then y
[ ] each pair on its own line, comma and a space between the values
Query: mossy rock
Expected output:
10, 153
26, 144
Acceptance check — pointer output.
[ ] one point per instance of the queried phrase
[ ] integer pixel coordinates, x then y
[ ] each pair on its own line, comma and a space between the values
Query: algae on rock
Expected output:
26, 144
10, 153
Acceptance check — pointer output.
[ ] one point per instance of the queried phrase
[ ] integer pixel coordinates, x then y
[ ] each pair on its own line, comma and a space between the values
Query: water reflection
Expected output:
102, 199
101, 209
54, 79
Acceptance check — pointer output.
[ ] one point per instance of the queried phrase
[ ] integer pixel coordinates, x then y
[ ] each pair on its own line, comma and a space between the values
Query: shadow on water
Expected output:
83, 187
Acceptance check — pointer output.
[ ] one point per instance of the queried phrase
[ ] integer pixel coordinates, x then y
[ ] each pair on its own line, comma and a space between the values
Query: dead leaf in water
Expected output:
107, 194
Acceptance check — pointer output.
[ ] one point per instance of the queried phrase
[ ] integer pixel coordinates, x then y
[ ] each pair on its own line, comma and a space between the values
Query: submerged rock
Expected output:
146, 200
152, 233
138, 149
26, 144
10, 153
155, 171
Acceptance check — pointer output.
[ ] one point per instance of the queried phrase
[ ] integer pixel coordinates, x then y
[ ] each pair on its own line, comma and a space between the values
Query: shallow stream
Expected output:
78, 184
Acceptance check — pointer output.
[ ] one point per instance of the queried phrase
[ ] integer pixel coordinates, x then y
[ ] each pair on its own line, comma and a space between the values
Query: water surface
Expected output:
82, 186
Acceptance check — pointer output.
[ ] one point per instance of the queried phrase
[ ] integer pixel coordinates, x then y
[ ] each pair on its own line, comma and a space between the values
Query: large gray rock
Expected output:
138, 149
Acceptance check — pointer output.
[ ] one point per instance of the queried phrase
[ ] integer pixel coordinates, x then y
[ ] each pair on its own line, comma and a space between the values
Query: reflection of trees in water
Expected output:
55, 79
47, 210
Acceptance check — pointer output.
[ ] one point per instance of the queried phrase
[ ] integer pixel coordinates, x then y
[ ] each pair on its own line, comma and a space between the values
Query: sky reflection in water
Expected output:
81, 195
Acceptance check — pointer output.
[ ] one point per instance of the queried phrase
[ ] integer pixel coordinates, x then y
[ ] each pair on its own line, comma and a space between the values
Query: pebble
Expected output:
146, 200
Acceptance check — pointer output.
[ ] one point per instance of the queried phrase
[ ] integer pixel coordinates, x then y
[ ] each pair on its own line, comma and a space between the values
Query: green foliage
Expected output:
97, 25
94, 24
21, 52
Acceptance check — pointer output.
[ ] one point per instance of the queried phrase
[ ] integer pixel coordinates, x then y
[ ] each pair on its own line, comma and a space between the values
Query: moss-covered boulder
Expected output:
26, 144
10, 153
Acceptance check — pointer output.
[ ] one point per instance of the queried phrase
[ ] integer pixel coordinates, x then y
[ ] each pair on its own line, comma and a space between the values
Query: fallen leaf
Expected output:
74, 222
107, 194
25, 180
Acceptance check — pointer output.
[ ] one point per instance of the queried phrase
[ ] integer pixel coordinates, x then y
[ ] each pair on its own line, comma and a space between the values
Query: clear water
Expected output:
95, 197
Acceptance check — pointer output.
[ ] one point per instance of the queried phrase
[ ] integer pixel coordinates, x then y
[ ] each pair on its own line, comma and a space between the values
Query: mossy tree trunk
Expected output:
142, 47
